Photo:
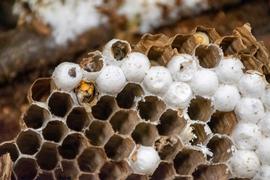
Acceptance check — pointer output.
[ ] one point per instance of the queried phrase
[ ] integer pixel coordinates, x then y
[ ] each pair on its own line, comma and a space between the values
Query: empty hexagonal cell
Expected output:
67, 170
45, 176
221, 147
72, 146
171, 123
151, 108
91, 159
35, 116
168, 146
118, 148
60, 103
54, 131
231, 45
127, 97
200, 109
211, 172
187, 160
77, 119
28, 142
137, 177
10, 148
104, 107
223, 122
47, 150
164, 171
124, 122
114, 170
200, 133
40, 90
99, 133
26, 168
89, 176
145, 134
208, 55
182, 43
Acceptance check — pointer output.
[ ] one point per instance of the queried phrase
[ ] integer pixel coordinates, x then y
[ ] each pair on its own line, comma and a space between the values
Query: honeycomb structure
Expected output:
63, 137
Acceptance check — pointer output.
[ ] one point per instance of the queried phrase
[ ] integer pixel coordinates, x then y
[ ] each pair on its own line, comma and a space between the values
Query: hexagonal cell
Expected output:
231, 45
208, 55
118, 148
171, 123
104, 107
28, 142
114, 170
26, 168
77, 119
151, 108
200, 133
223, 122
45, 176
124, 122
47, 150
40, 90
221, 147
91, 159
54, 131
145, 134
200, 109
60, 103
68, 170
182, 43
126, 98
164, 171
35, 116
10, 148
99, 133
120, 49
88, 177
168, 146
211, 172
187, 160
72, 146
137, 177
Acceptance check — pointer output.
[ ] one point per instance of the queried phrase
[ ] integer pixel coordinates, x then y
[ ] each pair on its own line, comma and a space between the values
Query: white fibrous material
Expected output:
111, 79
263, 150
135, 66
244, 163
178, 95
266, 97
182, 67
157, 80
226, 98
246, 136
264, 124
144, 160
263, 173
204, 82
252, 84
67, 76
249, 109
229, 70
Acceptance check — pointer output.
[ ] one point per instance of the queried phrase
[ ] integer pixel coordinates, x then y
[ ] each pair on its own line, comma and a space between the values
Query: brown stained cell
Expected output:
91, 159
126, 98
209, 56
221, 147
211, 172
145, 134
99, 132
124, 122
60, 103
187, 160
151, 108
68, 170
54, 131
35, 116
10, 148
88, 177
104, 107
137, 177
93, 62
231, 45
199, 131
28, 142
171, 122
114, 170
120, 49
184, 43
26, 168
40, 90
77, 119
47, 150
45, 176
119, 148
164, 171
223, 122
200, 109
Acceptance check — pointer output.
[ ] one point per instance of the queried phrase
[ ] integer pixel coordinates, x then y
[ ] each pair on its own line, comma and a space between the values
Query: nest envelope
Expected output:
63, 137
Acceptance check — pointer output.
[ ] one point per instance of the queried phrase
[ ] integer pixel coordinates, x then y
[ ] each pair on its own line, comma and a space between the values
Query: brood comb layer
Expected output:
101, 126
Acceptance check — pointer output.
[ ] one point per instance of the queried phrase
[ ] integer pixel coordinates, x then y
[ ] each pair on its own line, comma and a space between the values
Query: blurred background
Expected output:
35, 35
